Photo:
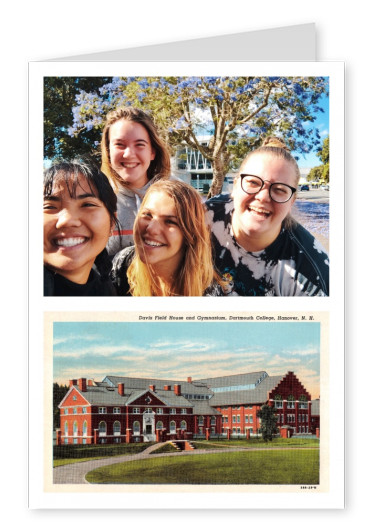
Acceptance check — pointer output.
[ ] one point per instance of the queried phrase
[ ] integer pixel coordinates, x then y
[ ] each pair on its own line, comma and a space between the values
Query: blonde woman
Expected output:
259, 248
172, 255
134, 156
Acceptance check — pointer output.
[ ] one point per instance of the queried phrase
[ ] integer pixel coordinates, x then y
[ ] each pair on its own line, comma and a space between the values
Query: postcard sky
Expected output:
174, 350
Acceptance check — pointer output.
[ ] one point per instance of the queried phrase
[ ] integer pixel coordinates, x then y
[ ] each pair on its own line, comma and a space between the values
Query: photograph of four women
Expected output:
131, 228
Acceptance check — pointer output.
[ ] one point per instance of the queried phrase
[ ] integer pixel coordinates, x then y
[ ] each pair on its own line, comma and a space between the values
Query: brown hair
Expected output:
196, 272
159, 167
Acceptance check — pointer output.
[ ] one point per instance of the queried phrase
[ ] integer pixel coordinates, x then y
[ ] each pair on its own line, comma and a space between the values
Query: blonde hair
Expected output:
275, 147
159, 168
196, 272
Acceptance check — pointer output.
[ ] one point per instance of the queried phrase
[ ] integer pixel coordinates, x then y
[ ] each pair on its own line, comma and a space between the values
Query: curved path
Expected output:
75, 473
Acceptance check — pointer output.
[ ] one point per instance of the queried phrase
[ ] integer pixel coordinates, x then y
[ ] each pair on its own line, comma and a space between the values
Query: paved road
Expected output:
76, 473
316, 196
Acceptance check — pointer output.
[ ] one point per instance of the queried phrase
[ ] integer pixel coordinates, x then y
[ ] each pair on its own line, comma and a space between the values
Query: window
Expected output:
159, 425
201, 421
136, 428
172, 411
159, 411
238, 419
233, 419
278, 404
74, 398
84, 409
74, 411
183, 425
148, 410
66, 429
66, 411
251, 419
75, 441
75, 429
183, 411
290, 405
116, 427
102, 428
246, 419
136, 410
172, 426
83, 441
102, 410
116, 410
84, 429
213, 421
65, 441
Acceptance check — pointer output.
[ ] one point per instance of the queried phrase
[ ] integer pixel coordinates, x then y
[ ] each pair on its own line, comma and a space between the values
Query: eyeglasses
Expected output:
278, 192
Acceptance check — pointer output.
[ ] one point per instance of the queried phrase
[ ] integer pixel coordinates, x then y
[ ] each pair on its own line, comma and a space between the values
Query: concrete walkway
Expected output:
75, 473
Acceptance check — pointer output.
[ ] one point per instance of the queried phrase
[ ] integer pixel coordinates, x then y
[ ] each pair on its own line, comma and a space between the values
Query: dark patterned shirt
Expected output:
295, 264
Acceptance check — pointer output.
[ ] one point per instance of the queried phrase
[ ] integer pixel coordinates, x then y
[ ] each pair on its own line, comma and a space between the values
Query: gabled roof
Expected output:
194, 387
259, 395
250, 378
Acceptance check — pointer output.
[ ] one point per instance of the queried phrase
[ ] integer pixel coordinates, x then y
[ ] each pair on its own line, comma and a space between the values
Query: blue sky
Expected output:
178, 350
322, 123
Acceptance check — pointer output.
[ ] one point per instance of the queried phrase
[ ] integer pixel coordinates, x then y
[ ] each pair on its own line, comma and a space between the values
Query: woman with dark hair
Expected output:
259, 248
79, 209
133, 157
172, 255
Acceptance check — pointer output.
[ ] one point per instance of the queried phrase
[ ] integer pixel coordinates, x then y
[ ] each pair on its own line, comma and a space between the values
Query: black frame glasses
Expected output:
277, 191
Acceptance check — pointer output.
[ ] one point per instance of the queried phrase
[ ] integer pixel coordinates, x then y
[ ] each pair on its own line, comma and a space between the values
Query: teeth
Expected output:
153, 244
70, 242
260, 211
130, 165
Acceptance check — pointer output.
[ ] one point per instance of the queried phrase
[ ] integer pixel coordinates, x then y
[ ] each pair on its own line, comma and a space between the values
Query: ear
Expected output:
153, 154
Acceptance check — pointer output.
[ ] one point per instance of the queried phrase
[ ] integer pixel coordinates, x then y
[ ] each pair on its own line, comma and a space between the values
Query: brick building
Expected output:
122, 409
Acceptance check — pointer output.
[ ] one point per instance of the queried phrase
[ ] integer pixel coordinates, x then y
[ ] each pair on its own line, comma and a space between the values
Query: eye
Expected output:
172, 222
49, 206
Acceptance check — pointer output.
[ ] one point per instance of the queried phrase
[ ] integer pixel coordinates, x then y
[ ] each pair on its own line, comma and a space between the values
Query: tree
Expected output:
58, 393
321, 173
237, 112
59, 98
267, 415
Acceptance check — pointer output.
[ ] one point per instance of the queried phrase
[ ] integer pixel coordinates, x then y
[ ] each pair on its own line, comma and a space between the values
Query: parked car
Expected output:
304, 188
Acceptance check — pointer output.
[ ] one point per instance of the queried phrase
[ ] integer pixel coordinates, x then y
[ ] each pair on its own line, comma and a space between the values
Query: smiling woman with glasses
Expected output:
259, 248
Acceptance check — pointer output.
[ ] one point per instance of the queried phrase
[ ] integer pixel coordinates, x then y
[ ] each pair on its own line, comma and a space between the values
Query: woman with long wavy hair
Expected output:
172, 255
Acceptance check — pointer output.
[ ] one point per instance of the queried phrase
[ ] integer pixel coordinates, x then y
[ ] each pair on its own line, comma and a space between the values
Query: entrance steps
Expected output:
182, 445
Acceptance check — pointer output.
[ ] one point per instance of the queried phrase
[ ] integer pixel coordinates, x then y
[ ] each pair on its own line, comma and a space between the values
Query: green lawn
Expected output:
274, 467
65, 455
257, 442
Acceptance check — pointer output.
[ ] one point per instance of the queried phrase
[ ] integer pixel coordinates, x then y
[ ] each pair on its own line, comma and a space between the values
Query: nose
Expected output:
127, 152
153, 227
67, 218
263, 194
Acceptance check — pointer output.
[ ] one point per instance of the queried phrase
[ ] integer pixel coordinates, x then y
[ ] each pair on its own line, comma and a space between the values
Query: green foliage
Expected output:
59, 98
321, 173
237, 112
58, 393
268, 422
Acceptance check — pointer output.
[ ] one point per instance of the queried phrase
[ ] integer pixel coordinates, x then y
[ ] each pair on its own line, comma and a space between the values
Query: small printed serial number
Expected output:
308, 487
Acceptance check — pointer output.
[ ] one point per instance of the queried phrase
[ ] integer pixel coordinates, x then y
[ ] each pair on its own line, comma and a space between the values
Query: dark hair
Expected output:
69, 172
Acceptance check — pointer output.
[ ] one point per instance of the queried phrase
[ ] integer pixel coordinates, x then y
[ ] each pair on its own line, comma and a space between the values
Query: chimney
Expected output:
82, 384
189, 379
121, 389
90, 383
167, 388
72, 383
152, 387
177, 389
